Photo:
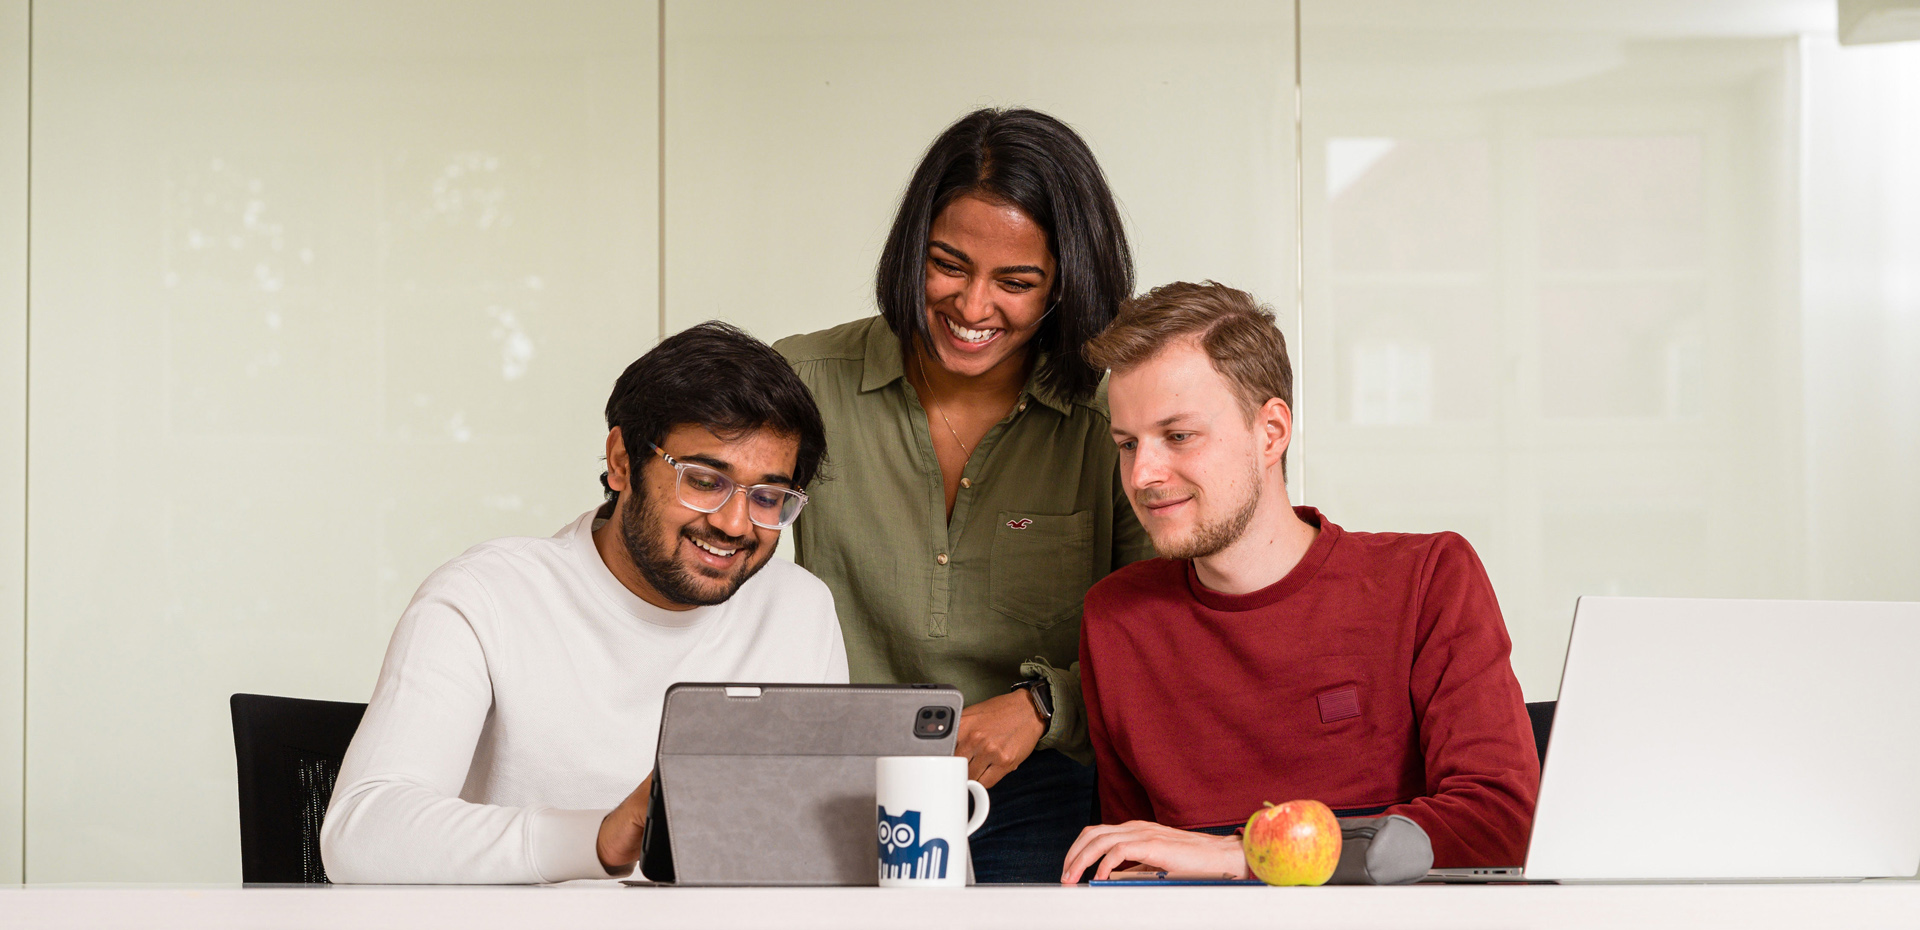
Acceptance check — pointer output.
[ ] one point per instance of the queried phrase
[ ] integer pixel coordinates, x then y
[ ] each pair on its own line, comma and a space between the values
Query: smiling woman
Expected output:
973, 496
987, 277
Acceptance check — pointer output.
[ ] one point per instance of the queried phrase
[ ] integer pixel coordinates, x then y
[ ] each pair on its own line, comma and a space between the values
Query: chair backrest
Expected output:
1541, 713
289, 753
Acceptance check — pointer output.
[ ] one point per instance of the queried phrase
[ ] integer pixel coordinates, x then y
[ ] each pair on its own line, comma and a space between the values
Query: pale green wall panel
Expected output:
326, 294
14, 15
791, 130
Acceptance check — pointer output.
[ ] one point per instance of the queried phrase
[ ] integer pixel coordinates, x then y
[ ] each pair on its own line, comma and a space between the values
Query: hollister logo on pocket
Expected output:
1338, 704
1019, 524
903, 854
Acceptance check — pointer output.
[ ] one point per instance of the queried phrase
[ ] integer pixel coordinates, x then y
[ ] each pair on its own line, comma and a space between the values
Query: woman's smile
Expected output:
988, 274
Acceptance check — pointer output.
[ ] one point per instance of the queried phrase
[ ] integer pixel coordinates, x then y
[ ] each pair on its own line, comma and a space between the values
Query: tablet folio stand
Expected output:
765, 784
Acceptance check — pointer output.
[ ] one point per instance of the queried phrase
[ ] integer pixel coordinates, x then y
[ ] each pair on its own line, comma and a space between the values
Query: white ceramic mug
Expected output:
923, 824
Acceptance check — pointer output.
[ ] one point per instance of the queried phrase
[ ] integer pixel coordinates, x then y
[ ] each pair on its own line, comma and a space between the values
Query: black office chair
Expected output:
1541, 713
289, 753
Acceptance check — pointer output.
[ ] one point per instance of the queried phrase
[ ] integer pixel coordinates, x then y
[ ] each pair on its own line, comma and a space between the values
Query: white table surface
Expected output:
605, 904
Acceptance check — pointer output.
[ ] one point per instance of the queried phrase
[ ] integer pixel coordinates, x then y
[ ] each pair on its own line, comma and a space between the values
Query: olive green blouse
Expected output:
993, 596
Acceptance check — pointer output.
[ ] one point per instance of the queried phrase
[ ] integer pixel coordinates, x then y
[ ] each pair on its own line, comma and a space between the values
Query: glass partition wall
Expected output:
1621, 293
322, 295
1627, 294
13, 428
792, 129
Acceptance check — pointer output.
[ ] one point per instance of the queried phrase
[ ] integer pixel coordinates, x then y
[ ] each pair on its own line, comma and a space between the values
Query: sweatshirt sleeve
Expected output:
396, 814
1482, 771
1122, 798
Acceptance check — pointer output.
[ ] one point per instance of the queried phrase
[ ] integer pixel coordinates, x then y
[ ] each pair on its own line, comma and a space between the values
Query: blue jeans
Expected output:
1035, 814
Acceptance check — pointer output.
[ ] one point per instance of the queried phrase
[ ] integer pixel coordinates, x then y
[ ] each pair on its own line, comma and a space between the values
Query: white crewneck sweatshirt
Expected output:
520, 702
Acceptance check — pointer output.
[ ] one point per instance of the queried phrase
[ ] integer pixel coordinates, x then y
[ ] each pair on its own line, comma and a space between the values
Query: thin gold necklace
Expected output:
968, 453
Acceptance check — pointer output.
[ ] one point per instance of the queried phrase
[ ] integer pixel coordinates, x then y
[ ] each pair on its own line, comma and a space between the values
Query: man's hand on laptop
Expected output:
998, 734
1156, 848
622, 829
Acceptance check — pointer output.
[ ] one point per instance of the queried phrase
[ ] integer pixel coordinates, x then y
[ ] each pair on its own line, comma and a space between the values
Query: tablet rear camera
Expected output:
933, 722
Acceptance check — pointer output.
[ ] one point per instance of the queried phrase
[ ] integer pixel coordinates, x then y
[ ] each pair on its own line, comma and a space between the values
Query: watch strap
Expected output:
1040, 691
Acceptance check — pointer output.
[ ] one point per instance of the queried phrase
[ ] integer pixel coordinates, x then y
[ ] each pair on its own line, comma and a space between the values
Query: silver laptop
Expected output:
1731, 740
773, 784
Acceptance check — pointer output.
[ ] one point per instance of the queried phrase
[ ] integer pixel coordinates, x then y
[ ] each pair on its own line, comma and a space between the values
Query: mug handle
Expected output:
980, 805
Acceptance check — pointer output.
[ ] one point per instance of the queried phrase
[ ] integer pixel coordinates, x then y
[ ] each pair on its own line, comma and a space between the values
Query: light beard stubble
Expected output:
640, 532
1209, 538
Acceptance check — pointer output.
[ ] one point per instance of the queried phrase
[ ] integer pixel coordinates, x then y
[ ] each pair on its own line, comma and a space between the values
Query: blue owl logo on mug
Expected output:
902, 856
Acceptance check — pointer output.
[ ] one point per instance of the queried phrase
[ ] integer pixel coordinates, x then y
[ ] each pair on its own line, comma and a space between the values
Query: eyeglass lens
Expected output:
707, 490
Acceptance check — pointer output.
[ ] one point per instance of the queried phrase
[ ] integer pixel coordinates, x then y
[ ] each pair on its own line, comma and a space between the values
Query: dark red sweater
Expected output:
1374, 675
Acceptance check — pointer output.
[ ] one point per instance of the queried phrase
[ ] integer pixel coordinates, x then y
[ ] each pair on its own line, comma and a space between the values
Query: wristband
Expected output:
1040, 691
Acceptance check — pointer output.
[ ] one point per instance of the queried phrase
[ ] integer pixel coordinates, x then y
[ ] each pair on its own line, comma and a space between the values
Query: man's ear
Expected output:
1274, 421
619, 467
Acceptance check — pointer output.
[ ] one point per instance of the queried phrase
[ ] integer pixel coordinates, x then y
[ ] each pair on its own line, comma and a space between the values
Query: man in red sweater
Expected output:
1271, 655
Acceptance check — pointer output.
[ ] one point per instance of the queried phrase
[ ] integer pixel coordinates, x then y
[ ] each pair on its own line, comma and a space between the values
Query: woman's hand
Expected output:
1155, 846
998, 734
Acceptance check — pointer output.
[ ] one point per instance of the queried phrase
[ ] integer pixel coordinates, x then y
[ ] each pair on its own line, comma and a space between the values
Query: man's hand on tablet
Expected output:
622, 829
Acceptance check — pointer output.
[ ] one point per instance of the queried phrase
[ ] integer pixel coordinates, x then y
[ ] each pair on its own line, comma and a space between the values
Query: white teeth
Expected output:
723, 553
969, 335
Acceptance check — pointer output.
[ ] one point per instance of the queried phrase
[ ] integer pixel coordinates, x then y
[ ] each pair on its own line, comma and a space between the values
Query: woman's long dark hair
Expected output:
1039, 164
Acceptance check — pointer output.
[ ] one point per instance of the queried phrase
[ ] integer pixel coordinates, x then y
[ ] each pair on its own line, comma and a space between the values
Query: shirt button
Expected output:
965, 483
1022, 408
941, 558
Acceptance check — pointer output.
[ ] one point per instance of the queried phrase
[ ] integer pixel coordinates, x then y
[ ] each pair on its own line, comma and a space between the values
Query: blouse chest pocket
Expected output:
1041, 566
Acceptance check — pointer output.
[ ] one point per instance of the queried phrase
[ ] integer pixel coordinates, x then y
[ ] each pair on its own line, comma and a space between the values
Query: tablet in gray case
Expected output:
771, 784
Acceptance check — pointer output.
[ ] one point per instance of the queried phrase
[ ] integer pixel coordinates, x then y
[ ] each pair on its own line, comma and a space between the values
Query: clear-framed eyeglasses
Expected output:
707, 490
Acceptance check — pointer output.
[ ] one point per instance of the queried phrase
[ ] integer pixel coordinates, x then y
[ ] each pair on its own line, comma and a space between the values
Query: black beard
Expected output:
640, 530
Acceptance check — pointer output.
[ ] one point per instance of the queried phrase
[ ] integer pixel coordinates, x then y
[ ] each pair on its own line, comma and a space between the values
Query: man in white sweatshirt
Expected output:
520, 698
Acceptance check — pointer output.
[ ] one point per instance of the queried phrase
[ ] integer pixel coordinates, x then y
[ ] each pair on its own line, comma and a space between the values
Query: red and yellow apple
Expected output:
1296, 843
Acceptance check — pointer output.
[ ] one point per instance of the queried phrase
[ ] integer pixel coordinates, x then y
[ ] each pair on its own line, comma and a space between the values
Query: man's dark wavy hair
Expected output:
1037, 163
716, 376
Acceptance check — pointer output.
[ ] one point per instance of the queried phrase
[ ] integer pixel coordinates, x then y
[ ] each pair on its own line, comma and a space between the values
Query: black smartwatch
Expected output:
1041, 692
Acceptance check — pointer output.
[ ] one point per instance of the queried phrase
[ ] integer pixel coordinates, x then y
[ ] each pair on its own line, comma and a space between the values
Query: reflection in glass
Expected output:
1552, 281
1631, 203
466, 274
238, 272
1415, 351
1621, 350
302, 287
1392, 384
1409, 205
227, 227
1410, 230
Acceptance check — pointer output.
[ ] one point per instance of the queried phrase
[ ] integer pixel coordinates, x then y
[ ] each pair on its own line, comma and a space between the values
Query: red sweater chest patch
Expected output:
1339, 704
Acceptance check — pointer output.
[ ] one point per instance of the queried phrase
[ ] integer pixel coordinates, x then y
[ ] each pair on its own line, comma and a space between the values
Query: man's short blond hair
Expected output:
1237, 333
